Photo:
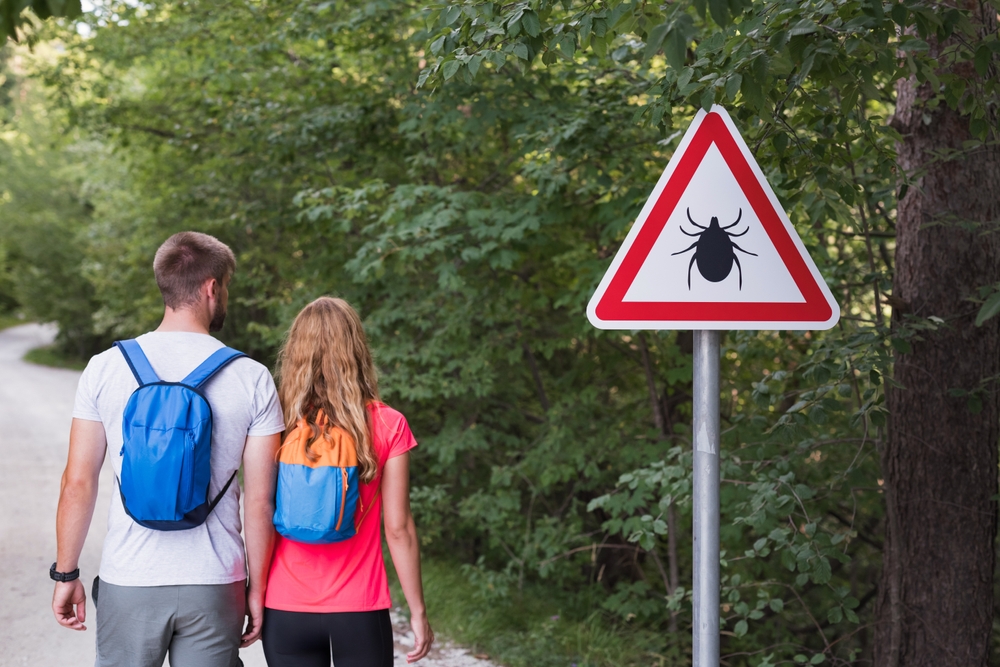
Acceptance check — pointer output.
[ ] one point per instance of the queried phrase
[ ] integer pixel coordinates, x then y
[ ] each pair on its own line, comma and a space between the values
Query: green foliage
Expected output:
535, 627
55, 357
464, 173
7, 321
991, 305
42, 215
15, 14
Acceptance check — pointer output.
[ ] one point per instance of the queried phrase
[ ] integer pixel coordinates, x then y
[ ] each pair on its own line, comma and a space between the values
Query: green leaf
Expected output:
497, 58
708, 99
761, 65
803, 27
982, 60
450, 68
914, 46
835, 615
899, 14
780, 142
740, 628
599, 44
901, 345
520, 50
797, 406
817, 415
474, 64
989, 309
733, 84
753, 94
530, 23
675, 48
451, 14
720, 11
817, 659
654, 40
849, 99
978, 128
776, 604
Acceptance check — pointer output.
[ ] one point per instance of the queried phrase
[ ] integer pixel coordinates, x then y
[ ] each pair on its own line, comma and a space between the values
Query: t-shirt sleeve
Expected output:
85, 406
267, 416
403, 440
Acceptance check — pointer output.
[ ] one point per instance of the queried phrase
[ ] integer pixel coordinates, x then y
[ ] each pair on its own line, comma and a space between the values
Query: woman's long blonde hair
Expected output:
325, 364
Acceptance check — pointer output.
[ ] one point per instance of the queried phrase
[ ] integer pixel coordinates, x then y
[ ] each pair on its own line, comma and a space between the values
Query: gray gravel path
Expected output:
36, 406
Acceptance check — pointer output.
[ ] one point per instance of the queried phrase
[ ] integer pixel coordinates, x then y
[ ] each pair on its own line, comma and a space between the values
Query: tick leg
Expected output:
737, 221
693, 222
731, 235
681, 252
740, 269
742, 250
690, 234
693, 257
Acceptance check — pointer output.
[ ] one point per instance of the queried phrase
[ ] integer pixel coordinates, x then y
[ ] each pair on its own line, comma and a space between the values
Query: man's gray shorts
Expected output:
199, 625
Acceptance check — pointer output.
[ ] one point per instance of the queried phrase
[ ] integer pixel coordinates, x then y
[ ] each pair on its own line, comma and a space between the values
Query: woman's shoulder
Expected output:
385, 411
386, 417
389, 426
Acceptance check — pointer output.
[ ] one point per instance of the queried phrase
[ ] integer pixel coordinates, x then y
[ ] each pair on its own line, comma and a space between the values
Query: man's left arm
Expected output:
77, 498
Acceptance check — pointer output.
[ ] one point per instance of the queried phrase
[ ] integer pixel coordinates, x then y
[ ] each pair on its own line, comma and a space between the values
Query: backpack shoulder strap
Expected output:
215, 363
137, 362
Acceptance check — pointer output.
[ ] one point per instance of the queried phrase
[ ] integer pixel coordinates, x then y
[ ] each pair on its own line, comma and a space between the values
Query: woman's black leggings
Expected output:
301, 639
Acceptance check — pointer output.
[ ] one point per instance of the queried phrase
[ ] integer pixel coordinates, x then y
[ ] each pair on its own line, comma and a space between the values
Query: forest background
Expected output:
463, 173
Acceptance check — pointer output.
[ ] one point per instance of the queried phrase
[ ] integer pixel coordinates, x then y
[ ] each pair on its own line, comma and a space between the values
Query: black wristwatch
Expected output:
63, 576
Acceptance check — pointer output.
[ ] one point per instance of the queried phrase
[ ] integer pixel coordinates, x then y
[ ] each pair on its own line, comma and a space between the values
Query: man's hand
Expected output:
255, 617
69, 604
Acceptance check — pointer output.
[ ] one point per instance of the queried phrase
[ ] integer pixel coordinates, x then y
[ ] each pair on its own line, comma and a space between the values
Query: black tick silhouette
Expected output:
714, 250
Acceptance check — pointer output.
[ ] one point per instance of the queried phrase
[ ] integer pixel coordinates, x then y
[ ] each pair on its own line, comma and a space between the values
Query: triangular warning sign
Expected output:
713, 248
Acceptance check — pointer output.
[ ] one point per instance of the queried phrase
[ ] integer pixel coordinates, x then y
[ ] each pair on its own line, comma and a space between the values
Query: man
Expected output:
181, 591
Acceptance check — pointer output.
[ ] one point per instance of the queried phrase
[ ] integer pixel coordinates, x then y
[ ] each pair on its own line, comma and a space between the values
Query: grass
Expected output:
536, 627
54, 357
8, 320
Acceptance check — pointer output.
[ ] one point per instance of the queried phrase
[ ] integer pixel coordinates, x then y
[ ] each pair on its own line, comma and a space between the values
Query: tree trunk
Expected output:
935, 605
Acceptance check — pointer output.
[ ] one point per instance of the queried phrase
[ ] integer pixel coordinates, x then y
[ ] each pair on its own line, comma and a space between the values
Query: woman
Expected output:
336, 596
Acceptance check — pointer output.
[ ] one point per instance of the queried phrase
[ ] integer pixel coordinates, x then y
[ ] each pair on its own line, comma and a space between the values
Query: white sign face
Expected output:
712, 248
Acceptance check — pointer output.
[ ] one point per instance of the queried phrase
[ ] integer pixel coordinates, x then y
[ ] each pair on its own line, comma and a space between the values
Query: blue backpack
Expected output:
167, 448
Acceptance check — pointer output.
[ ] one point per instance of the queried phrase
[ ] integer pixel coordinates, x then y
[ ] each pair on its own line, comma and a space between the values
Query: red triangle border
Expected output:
612, 307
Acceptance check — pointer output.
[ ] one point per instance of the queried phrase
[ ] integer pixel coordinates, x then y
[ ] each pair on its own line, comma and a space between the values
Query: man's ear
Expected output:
210, 289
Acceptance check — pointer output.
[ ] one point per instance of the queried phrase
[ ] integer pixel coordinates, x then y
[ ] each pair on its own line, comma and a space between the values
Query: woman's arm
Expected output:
401, 534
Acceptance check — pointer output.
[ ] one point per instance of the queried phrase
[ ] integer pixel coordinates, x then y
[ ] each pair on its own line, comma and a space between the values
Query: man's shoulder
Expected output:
102, 360
248, 368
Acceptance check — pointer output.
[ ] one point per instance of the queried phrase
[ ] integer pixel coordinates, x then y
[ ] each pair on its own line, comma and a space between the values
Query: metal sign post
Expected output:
706, 499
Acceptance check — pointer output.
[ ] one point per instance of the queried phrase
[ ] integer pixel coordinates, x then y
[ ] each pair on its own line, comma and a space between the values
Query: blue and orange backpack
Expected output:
318, 497
167, 444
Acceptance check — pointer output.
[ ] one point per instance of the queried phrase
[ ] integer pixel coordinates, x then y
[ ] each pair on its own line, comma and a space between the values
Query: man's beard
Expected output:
218, 319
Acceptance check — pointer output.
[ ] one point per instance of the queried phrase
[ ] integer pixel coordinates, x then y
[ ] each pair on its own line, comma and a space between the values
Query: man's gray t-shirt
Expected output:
244, 403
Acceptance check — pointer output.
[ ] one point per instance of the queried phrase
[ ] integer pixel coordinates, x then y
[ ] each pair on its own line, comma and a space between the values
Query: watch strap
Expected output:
63, 576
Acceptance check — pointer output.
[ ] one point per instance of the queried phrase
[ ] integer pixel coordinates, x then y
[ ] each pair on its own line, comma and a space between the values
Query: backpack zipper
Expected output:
343, 499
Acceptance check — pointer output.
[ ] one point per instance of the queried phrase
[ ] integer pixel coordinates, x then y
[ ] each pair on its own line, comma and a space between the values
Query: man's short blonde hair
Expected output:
185, 261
